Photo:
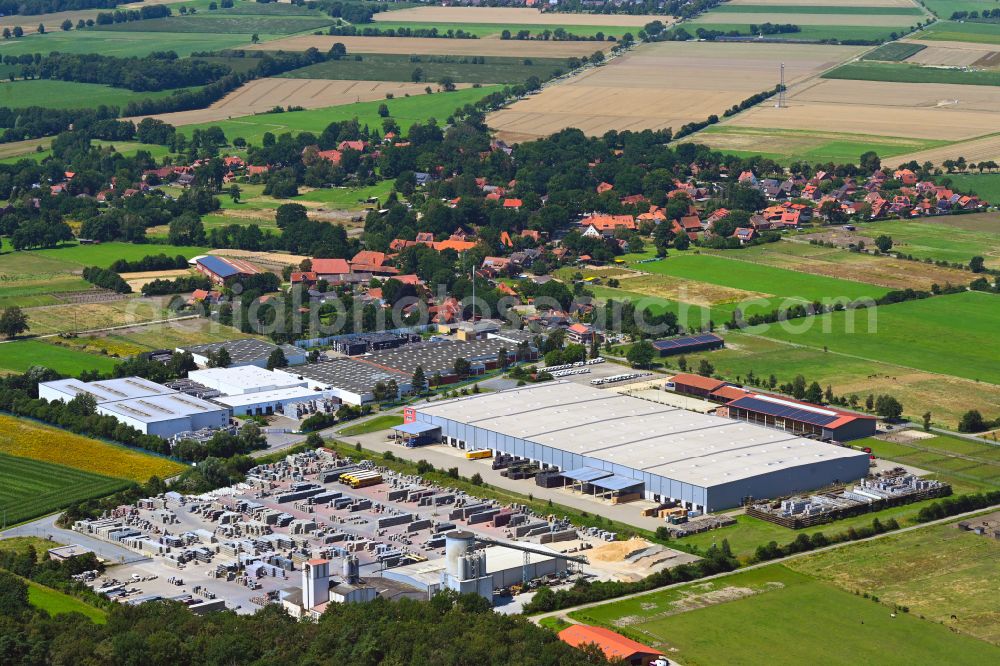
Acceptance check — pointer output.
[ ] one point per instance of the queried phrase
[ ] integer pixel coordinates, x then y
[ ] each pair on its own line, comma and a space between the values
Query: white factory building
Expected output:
470, 570
250, 390
148, 407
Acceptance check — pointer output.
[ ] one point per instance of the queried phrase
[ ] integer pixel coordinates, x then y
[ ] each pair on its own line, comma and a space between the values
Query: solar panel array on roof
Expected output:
221, 268
689, 341
784, 411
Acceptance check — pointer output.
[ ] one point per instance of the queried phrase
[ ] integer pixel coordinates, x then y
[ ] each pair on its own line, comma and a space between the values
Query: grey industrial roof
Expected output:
110, 390
288, 393
161, 407
349, 374
700, 449
438, 357
616, 482
416, 428
585, 474
244, 350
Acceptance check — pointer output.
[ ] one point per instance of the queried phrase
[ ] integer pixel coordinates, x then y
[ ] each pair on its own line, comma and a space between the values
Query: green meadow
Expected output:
70, 94
907, 73
20, 355
945, 238
123, 44
951, 335
489, 29
832, 8
774, 616
806, 32
55, 602
392, 67
953, 31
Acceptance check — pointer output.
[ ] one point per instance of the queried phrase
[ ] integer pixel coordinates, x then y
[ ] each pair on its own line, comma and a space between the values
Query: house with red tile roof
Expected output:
609, 223
514, 204
604, 187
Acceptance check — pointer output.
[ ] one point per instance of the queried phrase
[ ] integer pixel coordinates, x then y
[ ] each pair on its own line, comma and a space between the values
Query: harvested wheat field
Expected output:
666, 84
957, 54
433, 46
511, 17
942, 111
975, 150
262, 95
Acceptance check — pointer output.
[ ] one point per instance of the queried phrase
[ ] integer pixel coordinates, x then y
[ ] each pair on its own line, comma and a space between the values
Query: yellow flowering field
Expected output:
27, 439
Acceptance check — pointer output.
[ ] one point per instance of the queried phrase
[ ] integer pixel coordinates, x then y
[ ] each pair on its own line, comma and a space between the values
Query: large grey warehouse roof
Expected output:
439, 357
347, 374
152, 409
110, 390
245, 350
700, 449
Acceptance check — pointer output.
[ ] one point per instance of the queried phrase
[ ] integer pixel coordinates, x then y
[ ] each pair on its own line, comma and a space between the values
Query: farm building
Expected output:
688, 344
350, 380
799, 417
715, 390
220, 269
246, 351
702, 460
148, 407
615, 647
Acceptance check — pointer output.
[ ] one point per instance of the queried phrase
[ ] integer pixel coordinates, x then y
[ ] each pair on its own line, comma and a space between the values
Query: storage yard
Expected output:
273, 539
615, 443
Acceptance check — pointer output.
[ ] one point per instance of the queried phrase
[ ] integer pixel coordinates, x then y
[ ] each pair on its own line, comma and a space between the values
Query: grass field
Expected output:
19, 356
975, 464
945, 8
951, 335
832, 8
906, 73
795, 619
779, 287
218, 24
30, 440
986, 185
489, 29
32, 488
374, 425
940, 573
55, 602
951, 31
894, 51
105, 254
404, 110
806, 32
69, 94
123, 44
947, 398
394, 67
940, 239
748, 532
786, 145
